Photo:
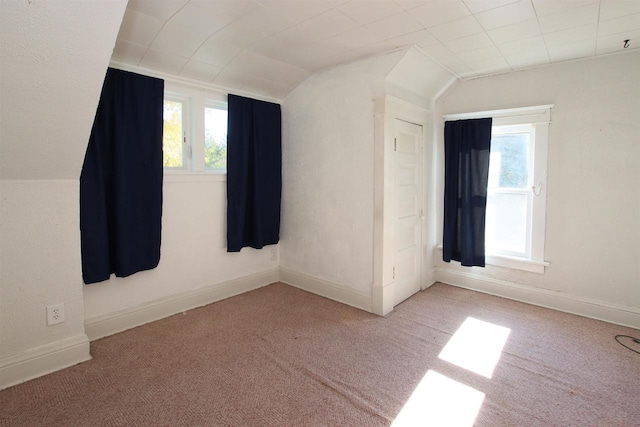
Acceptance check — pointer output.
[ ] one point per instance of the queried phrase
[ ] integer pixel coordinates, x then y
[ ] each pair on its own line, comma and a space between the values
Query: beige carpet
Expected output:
279, 356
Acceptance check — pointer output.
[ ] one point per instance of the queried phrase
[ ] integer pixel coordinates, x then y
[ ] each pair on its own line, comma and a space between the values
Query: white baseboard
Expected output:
428, 278
612, 313
109, 324
43, 360
326, 289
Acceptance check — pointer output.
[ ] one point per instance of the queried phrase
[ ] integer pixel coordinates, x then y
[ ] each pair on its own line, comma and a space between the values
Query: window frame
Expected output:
186, 131
218, 105
194, 102
540, 117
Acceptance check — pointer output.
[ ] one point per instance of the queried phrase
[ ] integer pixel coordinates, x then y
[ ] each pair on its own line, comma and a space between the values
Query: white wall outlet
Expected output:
274, 254
55, 314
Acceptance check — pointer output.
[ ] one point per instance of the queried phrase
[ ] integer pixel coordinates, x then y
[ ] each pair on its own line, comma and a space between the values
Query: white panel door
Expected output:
408, 210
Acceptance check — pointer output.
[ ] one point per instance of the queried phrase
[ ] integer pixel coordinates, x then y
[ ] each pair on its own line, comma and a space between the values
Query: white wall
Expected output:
193, 251
328, 154
53, 57
593, 201
194, 243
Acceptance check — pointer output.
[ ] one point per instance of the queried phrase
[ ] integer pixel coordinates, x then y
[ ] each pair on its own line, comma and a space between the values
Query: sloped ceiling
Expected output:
267, 47
53, 58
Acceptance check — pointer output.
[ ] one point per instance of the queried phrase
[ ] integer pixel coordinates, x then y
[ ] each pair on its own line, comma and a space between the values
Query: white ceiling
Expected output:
268, 47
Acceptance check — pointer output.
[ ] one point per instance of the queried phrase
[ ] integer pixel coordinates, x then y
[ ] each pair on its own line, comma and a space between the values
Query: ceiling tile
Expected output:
412, 4
578, 49
585, 32
438, 12
528, 59
127, 52
239, 35
474, 56
199, 20
615, 43
200, 71
161, 10
265, 87
506, 15
216, 53
521, 46
357, 37
263, 21
462, 27
164, 62
420, 38
393, 26
569, 19
318, 28
616, 8
437, 51
518, 31
177, 40
231, 8
619, 25
488, 66
477, 6
139, 28
548, 7
464, 44
296, 11
453, 62
366, 11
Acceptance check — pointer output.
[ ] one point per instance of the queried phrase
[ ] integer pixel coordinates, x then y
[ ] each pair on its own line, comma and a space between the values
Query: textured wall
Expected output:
53, 56
327, 202
39, 262
593, 201
193, 252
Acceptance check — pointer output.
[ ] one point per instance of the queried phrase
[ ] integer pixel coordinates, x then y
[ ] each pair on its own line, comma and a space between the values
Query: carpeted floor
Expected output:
280, 356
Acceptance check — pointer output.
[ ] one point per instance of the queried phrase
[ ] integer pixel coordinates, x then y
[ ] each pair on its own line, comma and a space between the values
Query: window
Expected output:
215, 136
174, 136
509, 194
194, 133
516, 193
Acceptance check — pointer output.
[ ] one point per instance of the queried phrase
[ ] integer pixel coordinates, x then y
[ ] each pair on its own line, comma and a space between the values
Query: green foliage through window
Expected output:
172, 136
215, 138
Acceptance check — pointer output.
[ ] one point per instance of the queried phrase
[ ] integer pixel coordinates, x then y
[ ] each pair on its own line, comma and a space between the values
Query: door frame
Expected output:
386, 110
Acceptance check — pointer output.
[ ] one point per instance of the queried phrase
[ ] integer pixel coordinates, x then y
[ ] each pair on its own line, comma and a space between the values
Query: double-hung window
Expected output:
516, 194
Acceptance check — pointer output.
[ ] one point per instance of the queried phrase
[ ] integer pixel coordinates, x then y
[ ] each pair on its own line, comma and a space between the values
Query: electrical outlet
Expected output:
55, 314
274, 254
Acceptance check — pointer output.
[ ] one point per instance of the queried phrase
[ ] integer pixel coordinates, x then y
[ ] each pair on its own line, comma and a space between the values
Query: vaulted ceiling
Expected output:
268, 47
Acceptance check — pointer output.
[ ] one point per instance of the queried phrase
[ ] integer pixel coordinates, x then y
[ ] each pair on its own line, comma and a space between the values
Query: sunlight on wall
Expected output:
439, 401
476, 346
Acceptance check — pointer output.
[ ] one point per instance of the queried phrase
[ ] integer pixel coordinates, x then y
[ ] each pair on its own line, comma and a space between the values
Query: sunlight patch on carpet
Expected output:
476, 346
439, 400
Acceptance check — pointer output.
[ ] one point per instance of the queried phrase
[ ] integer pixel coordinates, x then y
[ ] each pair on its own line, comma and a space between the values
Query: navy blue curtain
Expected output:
121, 180
254, 173
466, 152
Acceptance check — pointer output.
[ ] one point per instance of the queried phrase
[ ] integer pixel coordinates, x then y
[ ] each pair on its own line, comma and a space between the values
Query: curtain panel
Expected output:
467, 146
254, 173
121, 179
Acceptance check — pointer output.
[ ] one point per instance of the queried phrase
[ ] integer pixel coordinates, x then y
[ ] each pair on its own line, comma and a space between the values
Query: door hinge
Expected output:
395, 144
394, 272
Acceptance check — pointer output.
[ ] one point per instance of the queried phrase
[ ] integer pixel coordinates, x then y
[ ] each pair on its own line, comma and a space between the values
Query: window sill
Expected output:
515, 263
179, 177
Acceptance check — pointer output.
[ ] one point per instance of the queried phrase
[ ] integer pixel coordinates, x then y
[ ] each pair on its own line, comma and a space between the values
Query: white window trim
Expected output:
197, 99
186, 131
219, 105
540, 115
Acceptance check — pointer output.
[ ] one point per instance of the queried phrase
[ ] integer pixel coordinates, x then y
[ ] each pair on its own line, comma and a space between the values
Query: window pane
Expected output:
172, 134
215, 138
506, 223
509, 162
